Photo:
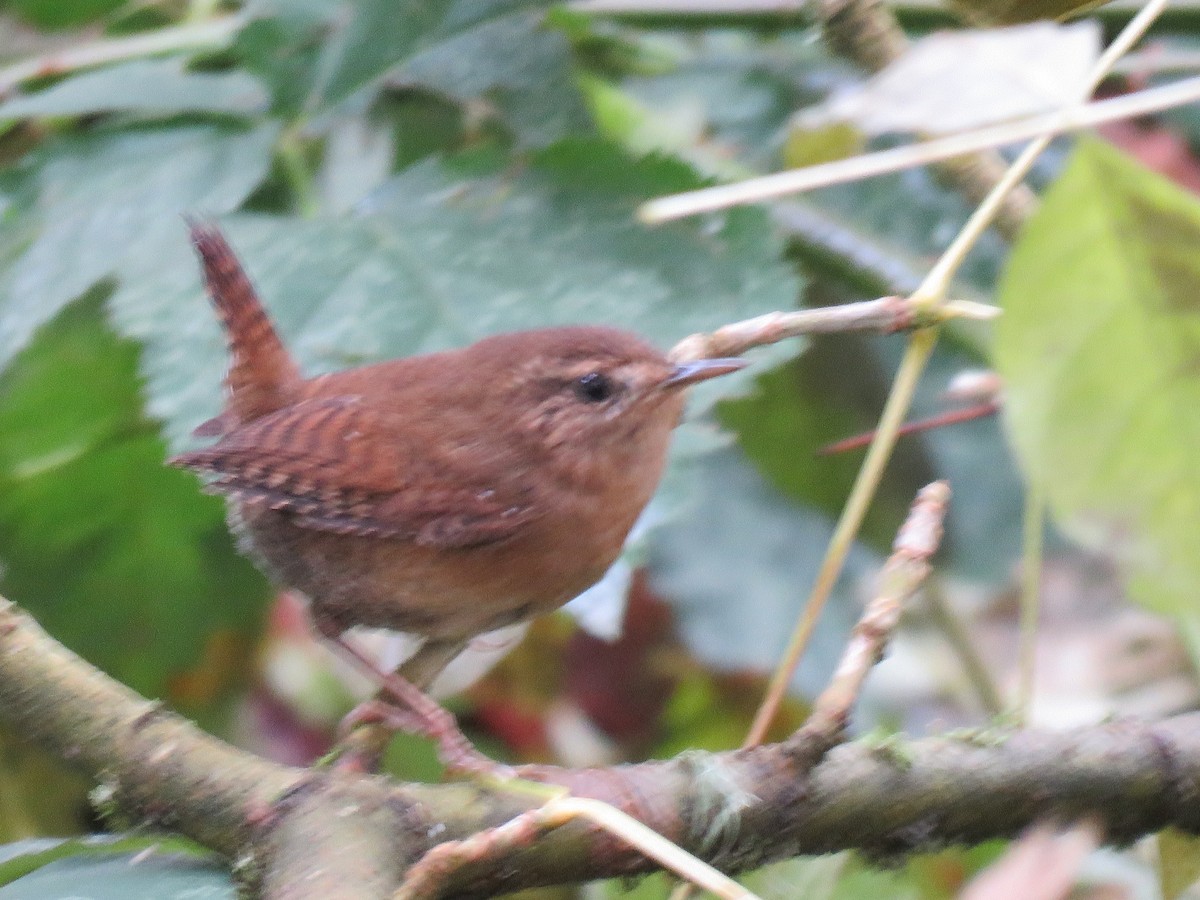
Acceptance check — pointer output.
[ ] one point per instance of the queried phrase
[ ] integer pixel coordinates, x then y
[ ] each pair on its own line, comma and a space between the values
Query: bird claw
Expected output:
457, 754
376, 712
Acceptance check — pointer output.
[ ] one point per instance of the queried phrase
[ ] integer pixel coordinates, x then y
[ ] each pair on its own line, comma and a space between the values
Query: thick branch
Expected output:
742, 810
738, 809
155, 765
337, 836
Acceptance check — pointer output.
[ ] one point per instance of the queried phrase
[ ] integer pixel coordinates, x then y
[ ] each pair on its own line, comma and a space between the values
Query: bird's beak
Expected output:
701, 370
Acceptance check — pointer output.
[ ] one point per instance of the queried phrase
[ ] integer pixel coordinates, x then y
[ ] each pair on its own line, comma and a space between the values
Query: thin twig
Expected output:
427, 877
867, 33
886, 314
930, 295
926, 15
937, 282
955, 632
776, 8
902, 574
1034, 531
212, 35
826, 242
895, 409
869, 165
940, 420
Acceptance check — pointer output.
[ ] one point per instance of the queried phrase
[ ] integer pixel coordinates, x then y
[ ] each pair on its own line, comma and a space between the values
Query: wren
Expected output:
445, 495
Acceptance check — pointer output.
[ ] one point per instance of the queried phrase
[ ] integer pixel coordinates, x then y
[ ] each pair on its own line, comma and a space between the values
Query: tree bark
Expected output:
307, 833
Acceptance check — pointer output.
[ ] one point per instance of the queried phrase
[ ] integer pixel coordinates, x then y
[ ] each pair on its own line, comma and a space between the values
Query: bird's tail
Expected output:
262, 376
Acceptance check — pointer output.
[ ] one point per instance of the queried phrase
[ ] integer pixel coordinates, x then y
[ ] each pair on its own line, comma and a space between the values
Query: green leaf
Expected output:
38, 793
1178, 862
116, 555
515, 63
358, 158
19, 858
837, 876
837, 390
58, 14
1098, 347
954, 81
102, 199
811, 877
833, 391
281, 45
910, 218
149, 87
737, 564
726, 102
499, 52
1009, 12
433, 261
719, 98
861, 882
94, 870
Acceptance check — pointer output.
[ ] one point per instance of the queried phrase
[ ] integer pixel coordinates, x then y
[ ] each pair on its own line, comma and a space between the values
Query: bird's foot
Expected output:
457, 753
415, 712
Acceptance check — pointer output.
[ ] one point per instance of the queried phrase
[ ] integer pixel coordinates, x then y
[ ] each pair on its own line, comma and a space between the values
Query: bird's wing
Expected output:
341, 466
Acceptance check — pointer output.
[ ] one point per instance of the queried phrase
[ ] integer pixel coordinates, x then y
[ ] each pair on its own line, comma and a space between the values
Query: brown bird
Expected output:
444, 495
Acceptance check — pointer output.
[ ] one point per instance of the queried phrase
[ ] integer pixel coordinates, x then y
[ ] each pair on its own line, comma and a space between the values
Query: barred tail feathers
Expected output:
262, 376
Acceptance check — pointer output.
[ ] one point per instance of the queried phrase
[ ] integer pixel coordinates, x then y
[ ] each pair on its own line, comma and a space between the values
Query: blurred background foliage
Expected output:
400, 177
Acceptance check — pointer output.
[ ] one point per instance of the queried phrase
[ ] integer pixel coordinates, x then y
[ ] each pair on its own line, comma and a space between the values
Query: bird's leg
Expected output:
417, 713
430, 660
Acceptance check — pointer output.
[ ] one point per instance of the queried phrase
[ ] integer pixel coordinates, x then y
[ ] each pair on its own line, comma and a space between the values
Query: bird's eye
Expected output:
594, 387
